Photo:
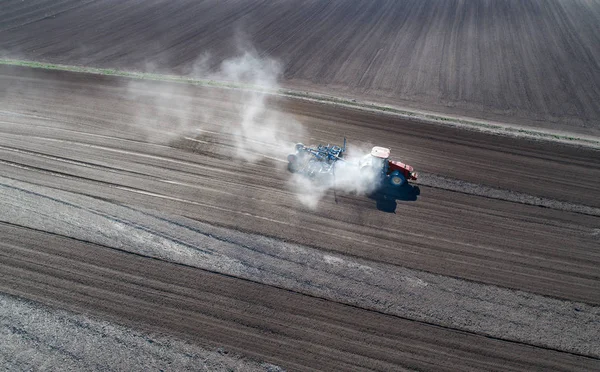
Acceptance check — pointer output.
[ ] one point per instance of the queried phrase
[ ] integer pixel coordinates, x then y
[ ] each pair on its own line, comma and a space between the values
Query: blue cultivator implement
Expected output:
316, 162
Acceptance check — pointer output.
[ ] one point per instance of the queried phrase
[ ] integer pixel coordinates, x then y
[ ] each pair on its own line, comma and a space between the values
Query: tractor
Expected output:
320, 162
397, 173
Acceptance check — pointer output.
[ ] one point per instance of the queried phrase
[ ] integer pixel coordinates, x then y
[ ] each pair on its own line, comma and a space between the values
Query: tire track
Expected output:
445, 183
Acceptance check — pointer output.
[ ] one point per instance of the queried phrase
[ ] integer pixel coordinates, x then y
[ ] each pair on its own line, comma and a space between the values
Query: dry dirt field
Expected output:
526, 62
489, 261
163, 216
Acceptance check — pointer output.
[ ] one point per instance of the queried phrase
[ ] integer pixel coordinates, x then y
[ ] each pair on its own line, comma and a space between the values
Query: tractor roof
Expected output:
380, 152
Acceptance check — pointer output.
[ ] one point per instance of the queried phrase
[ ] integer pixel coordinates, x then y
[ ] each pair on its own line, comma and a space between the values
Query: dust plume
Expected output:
222, 114
243, 123
163, 112
349, 176
258, 130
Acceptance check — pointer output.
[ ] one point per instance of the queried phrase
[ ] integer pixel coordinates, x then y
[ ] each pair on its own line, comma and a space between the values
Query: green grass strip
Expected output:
434, 118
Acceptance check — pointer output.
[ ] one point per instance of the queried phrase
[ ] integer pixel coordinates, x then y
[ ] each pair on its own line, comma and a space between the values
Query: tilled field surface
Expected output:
529, 62
147, 204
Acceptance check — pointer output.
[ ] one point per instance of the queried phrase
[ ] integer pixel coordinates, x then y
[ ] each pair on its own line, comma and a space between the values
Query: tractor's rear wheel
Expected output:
397, 179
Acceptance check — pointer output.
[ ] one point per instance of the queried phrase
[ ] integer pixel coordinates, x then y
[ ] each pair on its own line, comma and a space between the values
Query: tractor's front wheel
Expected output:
397, 179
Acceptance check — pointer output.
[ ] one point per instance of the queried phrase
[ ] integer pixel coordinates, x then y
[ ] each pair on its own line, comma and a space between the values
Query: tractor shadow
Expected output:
386, 199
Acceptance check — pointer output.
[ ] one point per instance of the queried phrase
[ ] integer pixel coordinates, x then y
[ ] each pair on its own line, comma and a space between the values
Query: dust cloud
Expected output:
260, 131
242, 118
349, 175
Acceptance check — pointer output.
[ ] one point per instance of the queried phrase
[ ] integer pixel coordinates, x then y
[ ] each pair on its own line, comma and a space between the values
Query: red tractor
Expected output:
395, 172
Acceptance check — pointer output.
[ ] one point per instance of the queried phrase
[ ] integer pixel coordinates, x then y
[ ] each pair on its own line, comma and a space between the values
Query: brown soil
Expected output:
532, 62
80, 133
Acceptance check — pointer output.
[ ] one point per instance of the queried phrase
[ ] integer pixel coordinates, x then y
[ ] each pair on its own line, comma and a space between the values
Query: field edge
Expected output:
427, 117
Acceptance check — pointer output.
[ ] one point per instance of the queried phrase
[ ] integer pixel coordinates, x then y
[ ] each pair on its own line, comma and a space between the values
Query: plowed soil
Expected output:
128, 201
531, 62
180, 237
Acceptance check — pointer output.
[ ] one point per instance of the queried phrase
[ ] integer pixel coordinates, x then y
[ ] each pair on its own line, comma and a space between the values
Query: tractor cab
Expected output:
376, 160
380, 152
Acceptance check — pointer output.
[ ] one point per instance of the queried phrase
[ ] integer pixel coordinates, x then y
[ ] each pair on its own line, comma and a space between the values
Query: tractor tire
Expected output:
397, 179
